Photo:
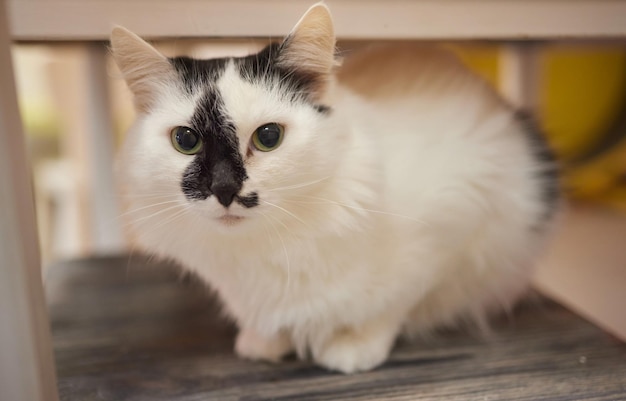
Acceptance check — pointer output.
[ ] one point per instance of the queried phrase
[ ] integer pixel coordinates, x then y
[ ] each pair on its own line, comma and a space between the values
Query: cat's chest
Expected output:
285, 281
268, 262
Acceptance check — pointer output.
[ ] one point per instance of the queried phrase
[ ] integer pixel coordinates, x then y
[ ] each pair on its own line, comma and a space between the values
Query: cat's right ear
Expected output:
142, 66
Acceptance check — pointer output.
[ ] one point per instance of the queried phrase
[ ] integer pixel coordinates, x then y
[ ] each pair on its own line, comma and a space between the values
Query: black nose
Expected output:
225, 192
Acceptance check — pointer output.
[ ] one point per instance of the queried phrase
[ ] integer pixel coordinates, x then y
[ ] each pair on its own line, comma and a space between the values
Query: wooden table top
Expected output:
395, 19
129, 329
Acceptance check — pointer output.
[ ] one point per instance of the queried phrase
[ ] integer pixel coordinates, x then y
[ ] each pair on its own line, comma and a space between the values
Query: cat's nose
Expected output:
225, 192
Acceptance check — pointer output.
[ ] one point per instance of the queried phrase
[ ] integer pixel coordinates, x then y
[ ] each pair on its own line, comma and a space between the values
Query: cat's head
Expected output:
230, 139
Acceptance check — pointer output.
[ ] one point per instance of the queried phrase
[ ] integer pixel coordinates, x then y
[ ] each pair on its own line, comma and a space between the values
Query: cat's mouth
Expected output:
230, 219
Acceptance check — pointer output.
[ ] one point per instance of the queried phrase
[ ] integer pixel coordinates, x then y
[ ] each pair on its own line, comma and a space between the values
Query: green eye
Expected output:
268, 137
186, 141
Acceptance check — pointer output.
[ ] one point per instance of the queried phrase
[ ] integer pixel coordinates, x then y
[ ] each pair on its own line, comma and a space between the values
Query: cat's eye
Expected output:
268, 137
186, 141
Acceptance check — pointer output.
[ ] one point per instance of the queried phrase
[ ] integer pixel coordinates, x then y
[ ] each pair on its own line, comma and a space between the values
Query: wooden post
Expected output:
80, 88
106, 230
520, 78
26, 361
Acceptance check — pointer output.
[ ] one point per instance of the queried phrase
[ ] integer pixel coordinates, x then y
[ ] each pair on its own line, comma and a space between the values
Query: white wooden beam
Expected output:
80, 87
520, 75
26, 362
106, 233
354, 19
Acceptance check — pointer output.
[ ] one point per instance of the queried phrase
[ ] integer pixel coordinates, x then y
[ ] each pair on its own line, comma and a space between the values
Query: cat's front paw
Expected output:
351, 351
251, 345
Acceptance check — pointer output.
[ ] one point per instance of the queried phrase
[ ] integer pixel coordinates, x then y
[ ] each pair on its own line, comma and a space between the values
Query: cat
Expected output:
334, 206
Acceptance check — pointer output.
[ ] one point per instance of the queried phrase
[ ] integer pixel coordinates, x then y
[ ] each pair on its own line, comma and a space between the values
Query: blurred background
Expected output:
581, 106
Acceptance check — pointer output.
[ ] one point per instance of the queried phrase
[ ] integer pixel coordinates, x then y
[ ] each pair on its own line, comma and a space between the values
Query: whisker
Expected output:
147, 207
139, 220
306, 184
130, 258
286, 211
288, 283
150, 195
178, 214
265, 228
358, 208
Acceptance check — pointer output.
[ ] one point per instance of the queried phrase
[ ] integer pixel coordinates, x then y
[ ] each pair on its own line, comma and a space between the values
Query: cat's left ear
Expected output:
310, 47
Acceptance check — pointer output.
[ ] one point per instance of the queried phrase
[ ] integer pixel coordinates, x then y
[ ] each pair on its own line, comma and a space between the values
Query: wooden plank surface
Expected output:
355, 19
128, 329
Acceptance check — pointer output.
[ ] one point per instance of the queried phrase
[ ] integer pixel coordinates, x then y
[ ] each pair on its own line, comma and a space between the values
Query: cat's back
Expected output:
423, 98
442, 133
386, 72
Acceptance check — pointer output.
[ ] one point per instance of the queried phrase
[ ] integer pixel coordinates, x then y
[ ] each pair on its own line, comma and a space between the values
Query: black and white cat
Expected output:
332, 207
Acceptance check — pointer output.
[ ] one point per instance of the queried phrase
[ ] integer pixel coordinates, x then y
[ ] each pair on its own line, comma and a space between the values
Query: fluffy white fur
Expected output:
414, 203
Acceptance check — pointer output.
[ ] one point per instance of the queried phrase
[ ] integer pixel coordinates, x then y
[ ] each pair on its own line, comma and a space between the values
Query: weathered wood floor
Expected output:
136, 331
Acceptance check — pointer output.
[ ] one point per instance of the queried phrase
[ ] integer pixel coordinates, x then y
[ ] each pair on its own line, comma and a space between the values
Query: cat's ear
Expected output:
142, 66
310, 47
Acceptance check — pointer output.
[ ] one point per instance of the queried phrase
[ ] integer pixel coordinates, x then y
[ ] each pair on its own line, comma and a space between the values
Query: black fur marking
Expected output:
249, 200
197, 74
195, 183
298, 85
322, 109
548, 174
219, 168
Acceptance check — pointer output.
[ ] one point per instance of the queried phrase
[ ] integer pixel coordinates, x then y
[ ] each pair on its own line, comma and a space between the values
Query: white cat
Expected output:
333, 208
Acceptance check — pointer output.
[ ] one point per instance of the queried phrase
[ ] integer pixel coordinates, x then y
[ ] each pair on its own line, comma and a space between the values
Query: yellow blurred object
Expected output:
484, 60
583, 100
582, 91
602, 179
39, 119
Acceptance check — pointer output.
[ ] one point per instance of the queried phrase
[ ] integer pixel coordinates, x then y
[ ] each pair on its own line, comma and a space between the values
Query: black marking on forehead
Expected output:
196, 74
298, 85
548, 173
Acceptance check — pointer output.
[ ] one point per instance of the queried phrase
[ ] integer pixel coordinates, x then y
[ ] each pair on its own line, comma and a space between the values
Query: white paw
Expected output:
251, 345
350, 352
